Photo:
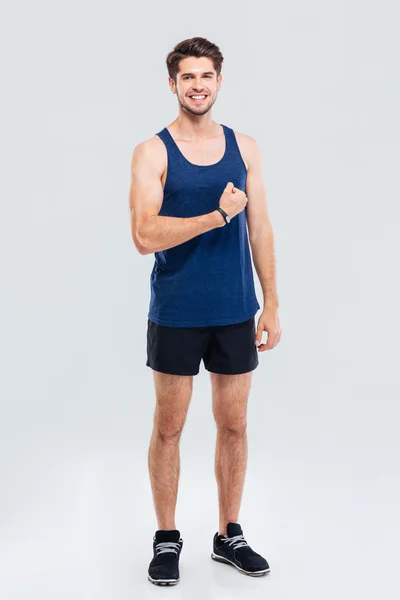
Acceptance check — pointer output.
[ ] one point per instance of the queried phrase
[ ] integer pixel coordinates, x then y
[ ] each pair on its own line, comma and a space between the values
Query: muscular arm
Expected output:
150, 231
261, 236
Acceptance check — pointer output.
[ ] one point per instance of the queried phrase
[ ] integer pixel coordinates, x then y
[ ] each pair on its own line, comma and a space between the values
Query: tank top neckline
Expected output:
193, 164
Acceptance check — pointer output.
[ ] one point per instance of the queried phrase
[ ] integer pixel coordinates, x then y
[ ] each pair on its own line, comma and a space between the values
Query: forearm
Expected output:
160, 232
263, 253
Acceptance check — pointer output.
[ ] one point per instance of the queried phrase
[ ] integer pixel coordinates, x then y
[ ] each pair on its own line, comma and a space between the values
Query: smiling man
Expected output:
198, 202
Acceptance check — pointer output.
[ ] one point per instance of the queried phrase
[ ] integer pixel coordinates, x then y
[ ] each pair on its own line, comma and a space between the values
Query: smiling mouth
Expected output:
198, 97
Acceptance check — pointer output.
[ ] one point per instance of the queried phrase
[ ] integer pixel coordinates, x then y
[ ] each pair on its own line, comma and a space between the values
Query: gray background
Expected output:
316, 83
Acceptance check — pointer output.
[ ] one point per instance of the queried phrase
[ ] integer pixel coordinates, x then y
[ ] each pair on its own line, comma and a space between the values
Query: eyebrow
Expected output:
205, 73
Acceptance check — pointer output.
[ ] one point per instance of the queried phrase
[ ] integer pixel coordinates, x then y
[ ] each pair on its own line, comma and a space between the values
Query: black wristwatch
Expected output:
223, 213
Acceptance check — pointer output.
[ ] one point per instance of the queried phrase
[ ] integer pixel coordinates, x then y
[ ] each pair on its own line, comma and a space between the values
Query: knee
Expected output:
236, 428
169, 430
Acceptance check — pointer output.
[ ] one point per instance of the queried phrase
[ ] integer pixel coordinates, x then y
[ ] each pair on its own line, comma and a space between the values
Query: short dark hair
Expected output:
196, 46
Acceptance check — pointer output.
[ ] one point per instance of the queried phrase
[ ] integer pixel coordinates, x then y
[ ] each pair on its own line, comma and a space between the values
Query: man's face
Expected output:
196, 77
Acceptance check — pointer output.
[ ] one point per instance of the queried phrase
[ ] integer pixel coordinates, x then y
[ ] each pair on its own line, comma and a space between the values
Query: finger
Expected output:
262, 347
259, 334
271, 340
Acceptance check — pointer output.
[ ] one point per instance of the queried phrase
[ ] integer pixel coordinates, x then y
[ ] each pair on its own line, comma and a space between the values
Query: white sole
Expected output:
222, 559
163, 581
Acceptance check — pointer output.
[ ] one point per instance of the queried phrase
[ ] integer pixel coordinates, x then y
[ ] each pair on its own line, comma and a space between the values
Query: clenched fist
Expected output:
232, 200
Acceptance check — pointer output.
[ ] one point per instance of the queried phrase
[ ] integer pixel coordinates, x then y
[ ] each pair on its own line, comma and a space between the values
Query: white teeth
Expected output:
198, 97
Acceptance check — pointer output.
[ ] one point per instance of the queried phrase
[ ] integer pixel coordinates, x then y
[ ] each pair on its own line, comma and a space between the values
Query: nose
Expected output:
198, 87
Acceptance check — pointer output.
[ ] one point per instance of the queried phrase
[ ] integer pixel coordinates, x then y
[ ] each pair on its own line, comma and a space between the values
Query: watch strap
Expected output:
223, 213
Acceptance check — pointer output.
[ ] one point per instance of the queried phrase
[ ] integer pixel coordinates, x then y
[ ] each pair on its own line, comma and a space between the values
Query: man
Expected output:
196, 187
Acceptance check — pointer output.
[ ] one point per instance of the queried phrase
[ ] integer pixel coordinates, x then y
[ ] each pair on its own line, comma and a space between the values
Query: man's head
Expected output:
194, 68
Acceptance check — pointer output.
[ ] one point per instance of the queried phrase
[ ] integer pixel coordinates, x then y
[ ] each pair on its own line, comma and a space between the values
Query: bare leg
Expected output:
173, 394
229, 400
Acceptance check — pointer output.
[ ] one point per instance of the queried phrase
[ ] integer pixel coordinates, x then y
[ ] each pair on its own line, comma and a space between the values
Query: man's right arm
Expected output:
150, 231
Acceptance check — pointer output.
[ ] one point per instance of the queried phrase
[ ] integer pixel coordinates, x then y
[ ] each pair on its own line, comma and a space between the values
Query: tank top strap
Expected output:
232, 147
172, 149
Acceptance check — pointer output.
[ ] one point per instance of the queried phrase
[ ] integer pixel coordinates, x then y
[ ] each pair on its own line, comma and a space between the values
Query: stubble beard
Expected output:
196, 112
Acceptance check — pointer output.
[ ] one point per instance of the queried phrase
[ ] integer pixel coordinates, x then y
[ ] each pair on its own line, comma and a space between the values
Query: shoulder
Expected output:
248, 147
150, 153
247, 142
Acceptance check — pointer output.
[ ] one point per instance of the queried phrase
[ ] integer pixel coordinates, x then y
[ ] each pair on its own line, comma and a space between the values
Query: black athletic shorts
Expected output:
226, 349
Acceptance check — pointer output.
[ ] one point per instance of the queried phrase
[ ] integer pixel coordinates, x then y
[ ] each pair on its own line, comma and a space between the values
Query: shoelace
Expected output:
237, 541
163, 547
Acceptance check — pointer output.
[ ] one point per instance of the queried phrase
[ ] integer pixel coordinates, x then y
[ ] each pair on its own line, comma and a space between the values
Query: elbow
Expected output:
141, 244
141, 247
146, 250
141, 234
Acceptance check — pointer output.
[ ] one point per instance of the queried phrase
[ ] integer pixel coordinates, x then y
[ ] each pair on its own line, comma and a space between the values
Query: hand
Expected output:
232, 200
269, 322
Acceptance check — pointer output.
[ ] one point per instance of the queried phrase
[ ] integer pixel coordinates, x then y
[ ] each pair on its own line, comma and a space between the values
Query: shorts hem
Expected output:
241, 372
169, 372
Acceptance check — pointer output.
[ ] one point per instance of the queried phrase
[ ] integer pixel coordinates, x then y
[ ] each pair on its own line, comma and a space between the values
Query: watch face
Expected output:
228, 219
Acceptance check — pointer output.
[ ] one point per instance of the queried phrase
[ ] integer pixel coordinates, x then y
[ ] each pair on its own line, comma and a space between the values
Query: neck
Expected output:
191, 127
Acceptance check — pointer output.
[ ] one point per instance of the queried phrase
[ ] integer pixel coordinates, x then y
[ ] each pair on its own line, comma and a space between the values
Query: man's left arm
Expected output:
261, 239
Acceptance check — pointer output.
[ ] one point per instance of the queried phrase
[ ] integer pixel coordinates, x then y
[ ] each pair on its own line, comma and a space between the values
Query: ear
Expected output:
171, 83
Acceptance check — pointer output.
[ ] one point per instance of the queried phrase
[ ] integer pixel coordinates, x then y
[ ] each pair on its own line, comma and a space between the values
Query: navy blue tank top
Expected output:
207, 280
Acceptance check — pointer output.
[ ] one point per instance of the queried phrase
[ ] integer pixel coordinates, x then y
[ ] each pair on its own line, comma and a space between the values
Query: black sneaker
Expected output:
164, 567
233, 549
